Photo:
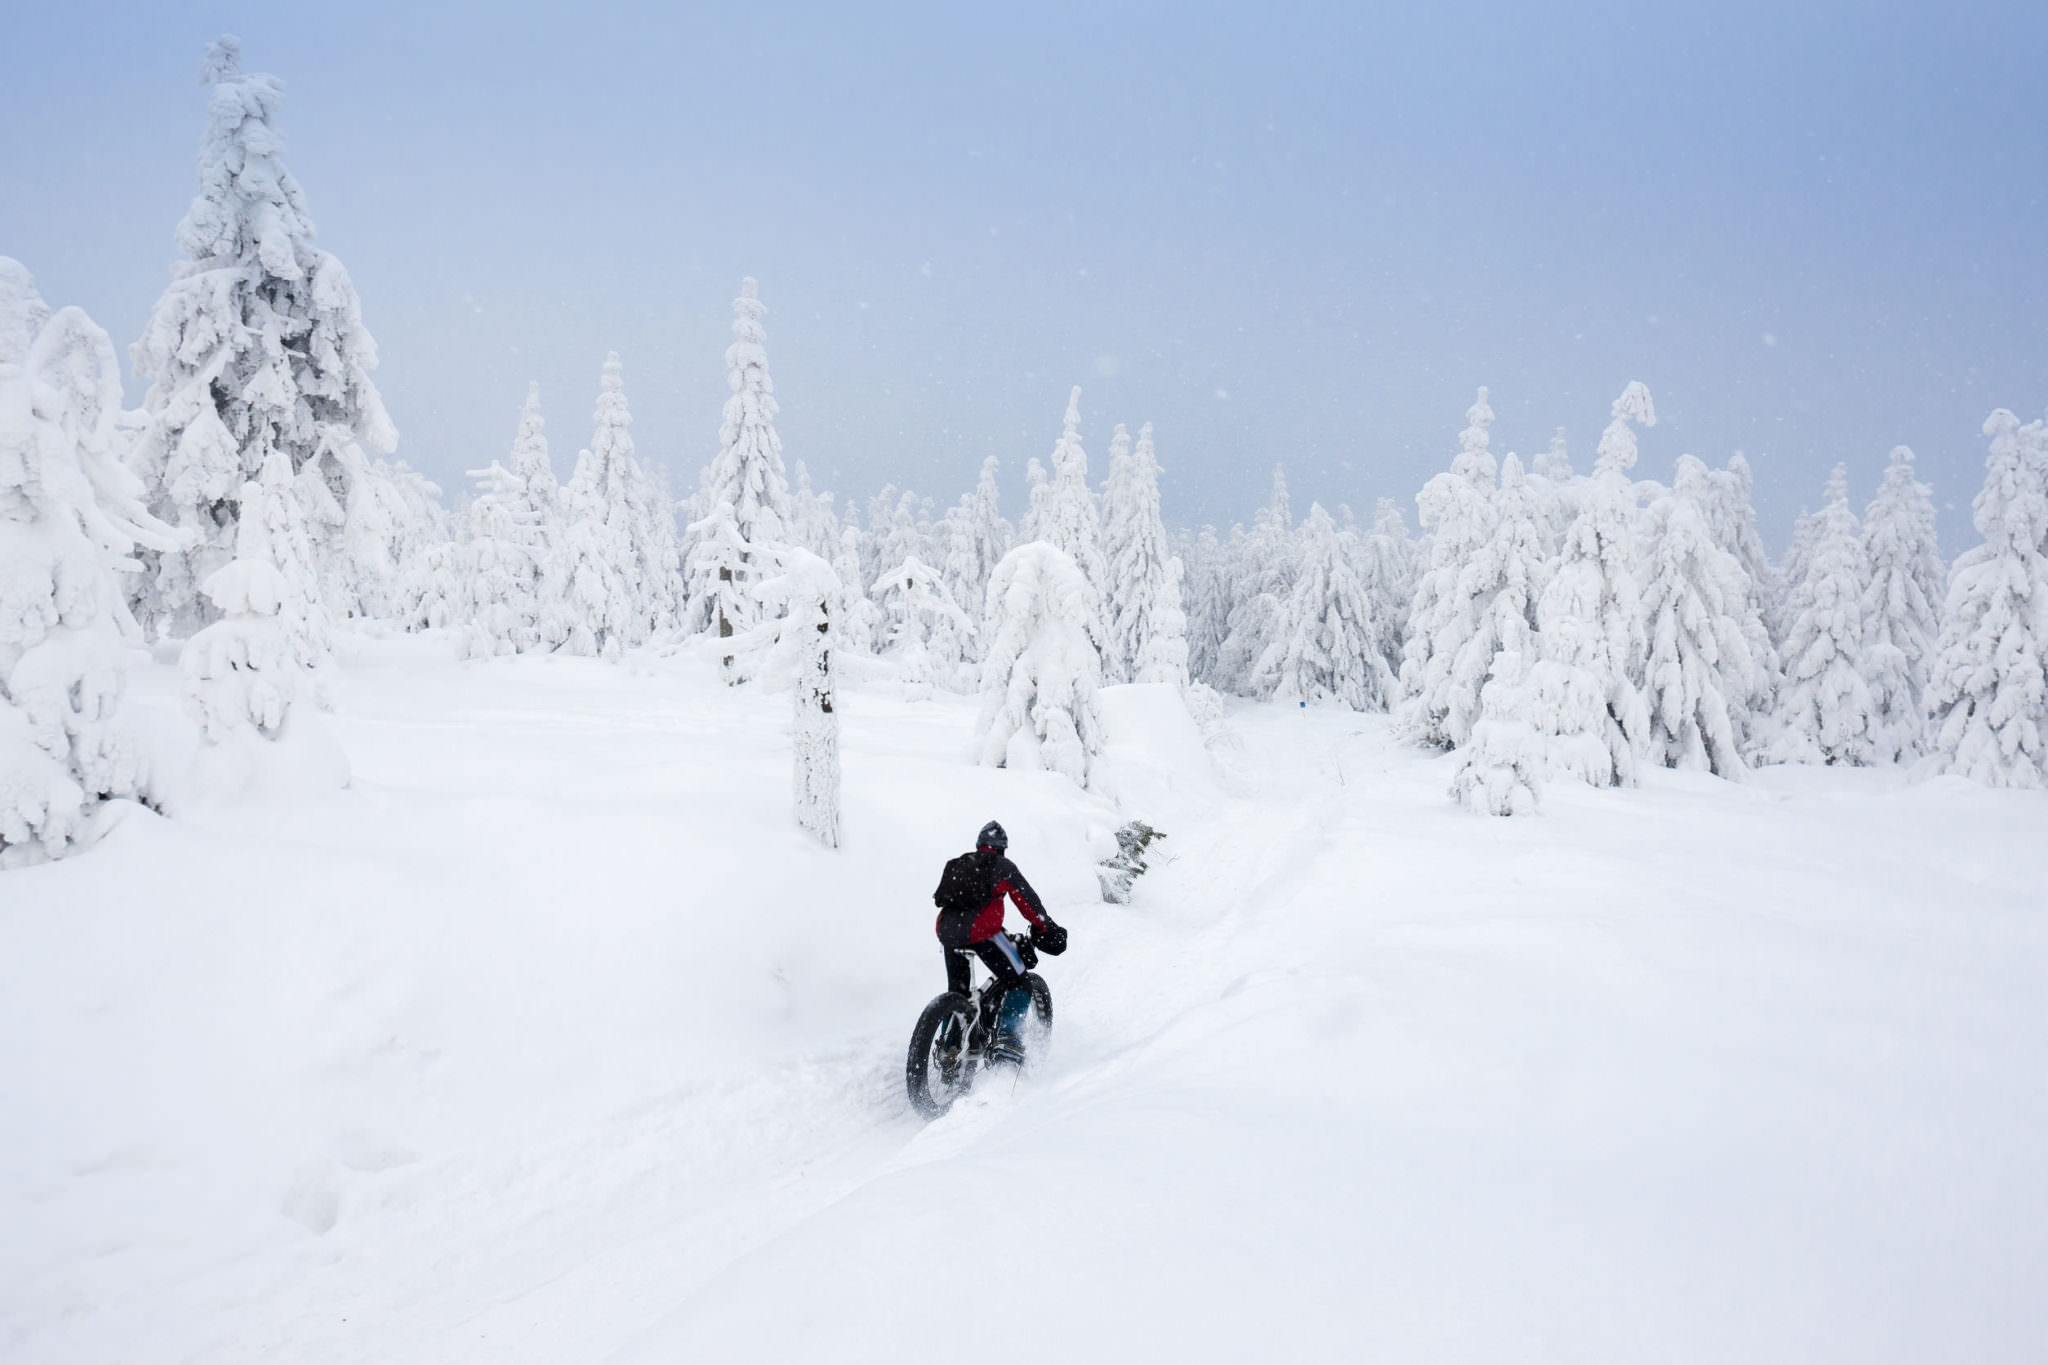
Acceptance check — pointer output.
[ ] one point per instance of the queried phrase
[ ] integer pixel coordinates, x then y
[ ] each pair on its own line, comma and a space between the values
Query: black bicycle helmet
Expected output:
992, 836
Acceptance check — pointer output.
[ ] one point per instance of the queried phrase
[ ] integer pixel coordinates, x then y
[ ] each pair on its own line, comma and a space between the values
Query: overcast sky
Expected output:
1292, 234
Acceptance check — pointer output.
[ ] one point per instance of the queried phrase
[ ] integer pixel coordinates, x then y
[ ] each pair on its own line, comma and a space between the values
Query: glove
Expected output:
1049, 937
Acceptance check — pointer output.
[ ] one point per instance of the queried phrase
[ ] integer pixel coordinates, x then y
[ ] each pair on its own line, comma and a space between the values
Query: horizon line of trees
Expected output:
1544, 624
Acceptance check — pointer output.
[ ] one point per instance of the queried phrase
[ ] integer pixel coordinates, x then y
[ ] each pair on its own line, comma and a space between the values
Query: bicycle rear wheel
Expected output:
940, 1065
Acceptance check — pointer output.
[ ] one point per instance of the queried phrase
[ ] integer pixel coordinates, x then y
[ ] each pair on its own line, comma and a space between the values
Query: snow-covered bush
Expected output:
1701, 672
1824, 704
1585, 692
245, 686
1147, 628
1988, 696
258, 345
1901, 607
1458, 512
1043, 668
70, 516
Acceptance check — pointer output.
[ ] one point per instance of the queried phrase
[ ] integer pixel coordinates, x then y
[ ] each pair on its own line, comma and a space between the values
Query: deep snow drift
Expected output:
554, 1039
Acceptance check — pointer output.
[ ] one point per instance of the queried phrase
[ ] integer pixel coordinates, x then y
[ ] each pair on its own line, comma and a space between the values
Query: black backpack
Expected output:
966, 884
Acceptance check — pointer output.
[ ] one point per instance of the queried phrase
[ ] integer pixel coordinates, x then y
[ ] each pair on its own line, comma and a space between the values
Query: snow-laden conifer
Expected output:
1037, 502
858, 617
1261, 568
1147, 626
746, 477
261, 737
1824, 703
513, 552
1585, 692
1558, 491
1458, 513
617, 570
1731, 519
1501, 767
1502, 583
258, 345
1790, 572
1901, 607
1043, 668
1326, 647
1988, 694
1206, 599
814, 523
925, 632
1072, 523
70, 516
809, 594
1701, 673
289, 548
718, 588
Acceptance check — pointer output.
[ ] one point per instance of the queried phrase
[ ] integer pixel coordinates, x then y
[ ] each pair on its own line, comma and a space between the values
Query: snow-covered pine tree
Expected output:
1458, 513
1558, 492
616, 580
1501, 767
1388, 569
1326, 648
243, 684
1147, 627
1824, 704
1584, 694
814, 523
289, 547
1502, 584
1790, 572
1072, 523
812, 603
70, 516
856, 622
746, 476
1731, 520
1206, 599
1901, 607
926, 632
718, 587
513, 554
1037, 502
1043, 668
257, 345
1988, 694
1701, 673
1261, 571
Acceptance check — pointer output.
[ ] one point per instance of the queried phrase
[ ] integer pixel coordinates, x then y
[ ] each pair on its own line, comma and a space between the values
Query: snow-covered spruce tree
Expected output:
718, 587
1072, 524
1501, 767
746, 476
289, 547
1326, 647
512, 557
1458, 513
1988, 694
1147, 627
257, 345
1824, 703
1779, 608
1037, 502
1701, 673
1206, 599
814, 524
1584, 694
810, 597
1502, 583
1558, 491
1731, 520
1901, 607
977, 538
1043, 668
1261, 571
857, 621
616, 579
70, 516
243, 685
926, 632
1388, 568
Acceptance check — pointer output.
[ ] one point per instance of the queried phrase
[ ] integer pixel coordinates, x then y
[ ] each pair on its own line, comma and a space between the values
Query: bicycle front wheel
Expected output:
939, 1067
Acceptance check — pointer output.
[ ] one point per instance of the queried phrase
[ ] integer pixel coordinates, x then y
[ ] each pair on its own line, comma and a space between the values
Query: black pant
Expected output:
998, 954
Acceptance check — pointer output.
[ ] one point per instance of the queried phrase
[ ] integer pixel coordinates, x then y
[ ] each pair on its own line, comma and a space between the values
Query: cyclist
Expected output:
970, 899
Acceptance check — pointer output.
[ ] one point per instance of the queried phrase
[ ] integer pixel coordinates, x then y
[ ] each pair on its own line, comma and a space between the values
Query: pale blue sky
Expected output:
1300, 234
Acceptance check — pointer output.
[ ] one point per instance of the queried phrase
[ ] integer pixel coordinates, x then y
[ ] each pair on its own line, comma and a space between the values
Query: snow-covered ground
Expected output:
553, 1040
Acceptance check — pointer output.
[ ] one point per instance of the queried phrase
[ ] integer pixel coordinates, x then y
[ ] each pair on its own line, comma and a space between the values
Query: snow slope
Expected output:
554, 1040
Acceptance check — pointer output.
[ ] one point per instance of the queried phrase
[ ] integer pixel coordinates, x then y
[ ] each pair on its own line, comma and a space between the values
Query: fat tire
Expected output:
917, 1067
1041, 1001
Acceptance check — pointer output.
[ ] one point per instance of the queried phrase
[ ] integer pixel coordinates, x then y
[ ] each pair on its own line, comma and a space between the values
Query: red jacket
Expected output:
988, 921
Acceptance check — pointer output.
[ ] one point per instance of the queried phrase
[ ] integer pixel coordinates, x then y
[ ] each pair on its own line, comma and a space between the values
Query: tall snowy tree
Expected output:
513, 555
1585, 692
1207, 601
1731, 520
250, 695
747, 475
1501, 767
1701, 672
811, 601
1072, 523
1824, 704
927, 634
1043, 669
1988, 694
1458, 513
619, 565
70, 516
1326, 648
1260, 573
1901, 607
1388, 568
1147, 626
258, 345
